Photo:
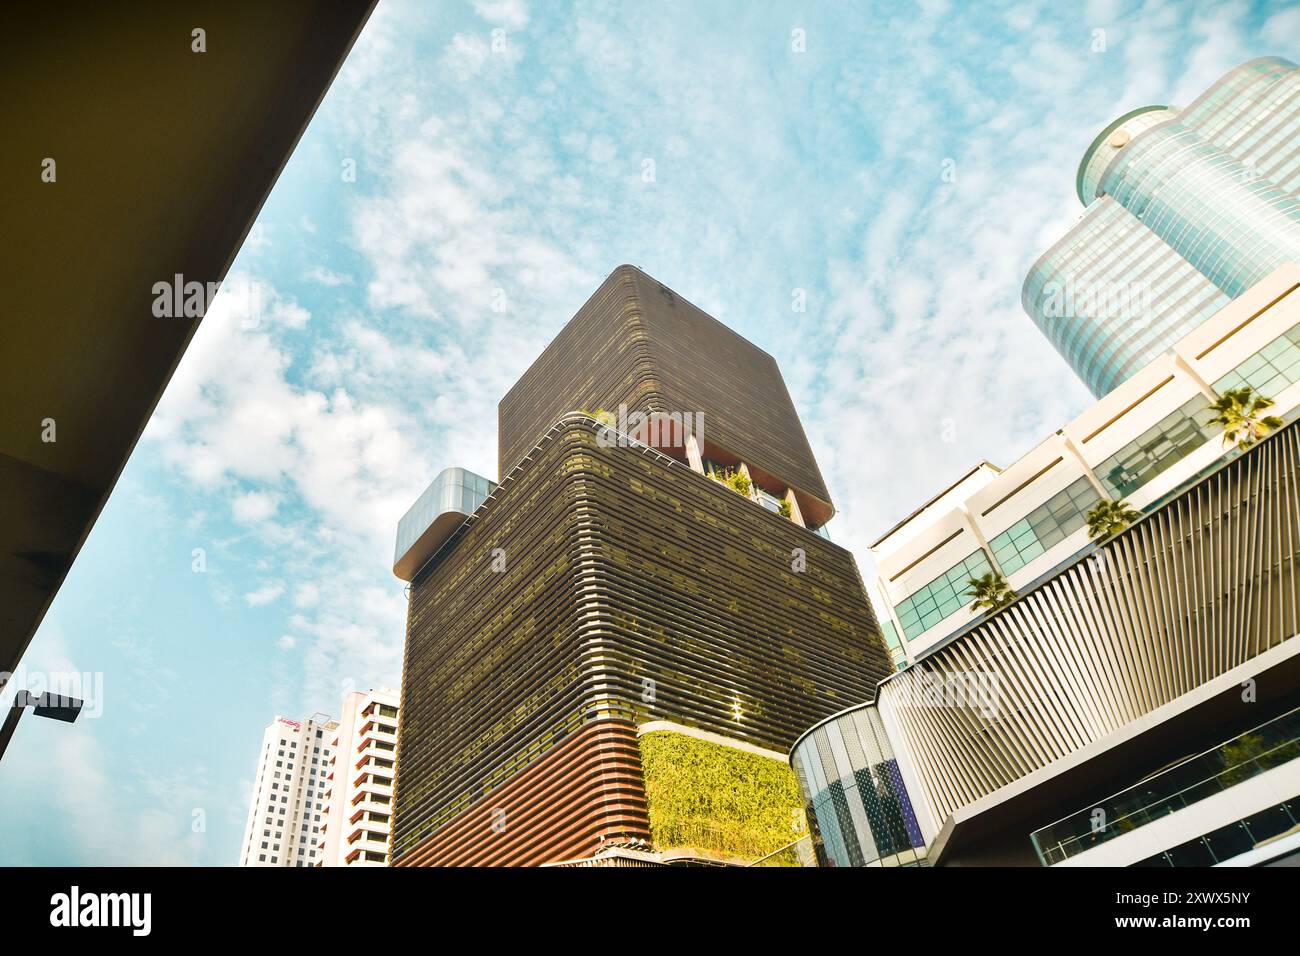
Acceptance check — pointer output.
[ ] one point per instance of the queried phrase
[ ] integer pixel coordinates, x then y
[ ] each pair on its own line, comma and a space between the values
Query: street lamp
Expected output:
54, 706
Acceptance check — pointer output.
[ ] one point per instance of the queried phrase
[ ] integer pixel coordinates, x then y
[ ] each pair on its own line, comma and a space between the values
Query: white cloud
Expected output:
254, 507
327, 277
602, 150
232, 412
512, 14
236, 414
264, 595
306, 595
1284, 23
1217, 48
466, 55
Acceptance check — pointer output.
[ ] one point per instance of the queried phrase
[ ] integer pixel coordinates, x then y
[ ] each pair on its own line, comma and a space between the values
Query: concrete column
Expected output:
1083, 463
1183, 365
744, 470
795, 515
693, 456
980, 539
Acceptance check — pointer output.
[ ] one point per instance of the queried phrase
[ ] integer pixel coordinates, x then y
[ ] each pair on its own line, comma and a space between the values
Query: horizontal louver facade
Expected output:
614, 583
638, 343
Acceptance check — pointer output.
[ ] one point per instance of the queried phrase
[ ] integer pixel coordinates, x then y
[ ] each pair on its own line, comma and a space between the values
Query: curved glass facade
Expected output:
1186, 210
1110, 141
859, 813
450, 497
1207, 205
1111, 296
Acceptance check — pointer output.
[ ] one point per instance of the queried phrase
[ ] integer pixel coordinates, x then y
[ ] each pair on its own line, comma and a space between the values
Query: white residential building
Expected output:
287, 808
359, 781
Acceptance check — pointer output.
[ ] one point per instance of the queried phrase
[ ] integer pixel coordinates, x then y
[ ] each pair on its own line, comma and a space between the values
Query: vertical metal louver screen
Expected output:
1201, 585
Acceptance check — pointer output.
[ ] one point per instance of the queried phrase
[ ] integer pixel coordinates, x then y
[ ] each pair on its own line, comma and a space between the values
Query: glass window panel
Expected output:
939, 598
1145, 458
1045, 526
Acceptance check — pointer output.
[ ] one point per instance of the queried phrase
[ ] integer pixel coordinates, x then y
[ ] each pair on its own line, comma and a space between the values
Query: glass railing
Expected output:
1245, 756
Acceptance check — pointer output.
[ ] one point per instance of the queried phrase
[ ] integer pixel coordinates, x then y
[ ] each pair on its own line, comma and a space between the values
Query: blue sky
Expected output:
903, 170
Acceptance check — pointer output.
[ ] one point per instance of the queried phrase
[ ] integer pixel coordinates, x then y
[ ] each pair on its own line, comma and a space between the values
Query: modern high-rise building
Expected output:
1136, 703
287, 808
1185, 209
359, 781
636, 624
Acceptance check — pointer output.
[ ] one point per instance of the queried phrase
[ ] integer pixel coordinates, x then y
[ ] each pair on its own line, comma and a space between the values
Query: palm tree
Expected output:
990, 592
1239, 413
1109, 518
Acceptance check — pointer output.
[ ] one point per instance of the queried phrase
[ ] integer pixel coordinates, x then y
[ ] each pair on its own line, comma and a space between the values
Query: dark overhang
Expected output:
163, 157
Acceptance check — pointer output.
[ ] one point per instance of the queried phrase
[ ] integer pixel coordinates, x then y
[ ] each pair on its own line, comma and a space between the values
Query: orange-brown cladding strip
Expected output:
587, 789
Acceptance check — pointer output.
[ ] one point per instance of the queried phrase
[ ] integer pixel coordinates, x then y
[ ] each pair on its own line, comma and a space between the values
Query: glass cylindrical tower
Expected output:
859, 812
1185, 211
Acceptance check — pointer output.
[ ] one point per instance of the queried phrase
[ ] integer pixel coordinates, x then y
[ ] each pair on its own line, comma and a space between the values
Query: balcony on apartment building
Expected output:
383, 786
376, 756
